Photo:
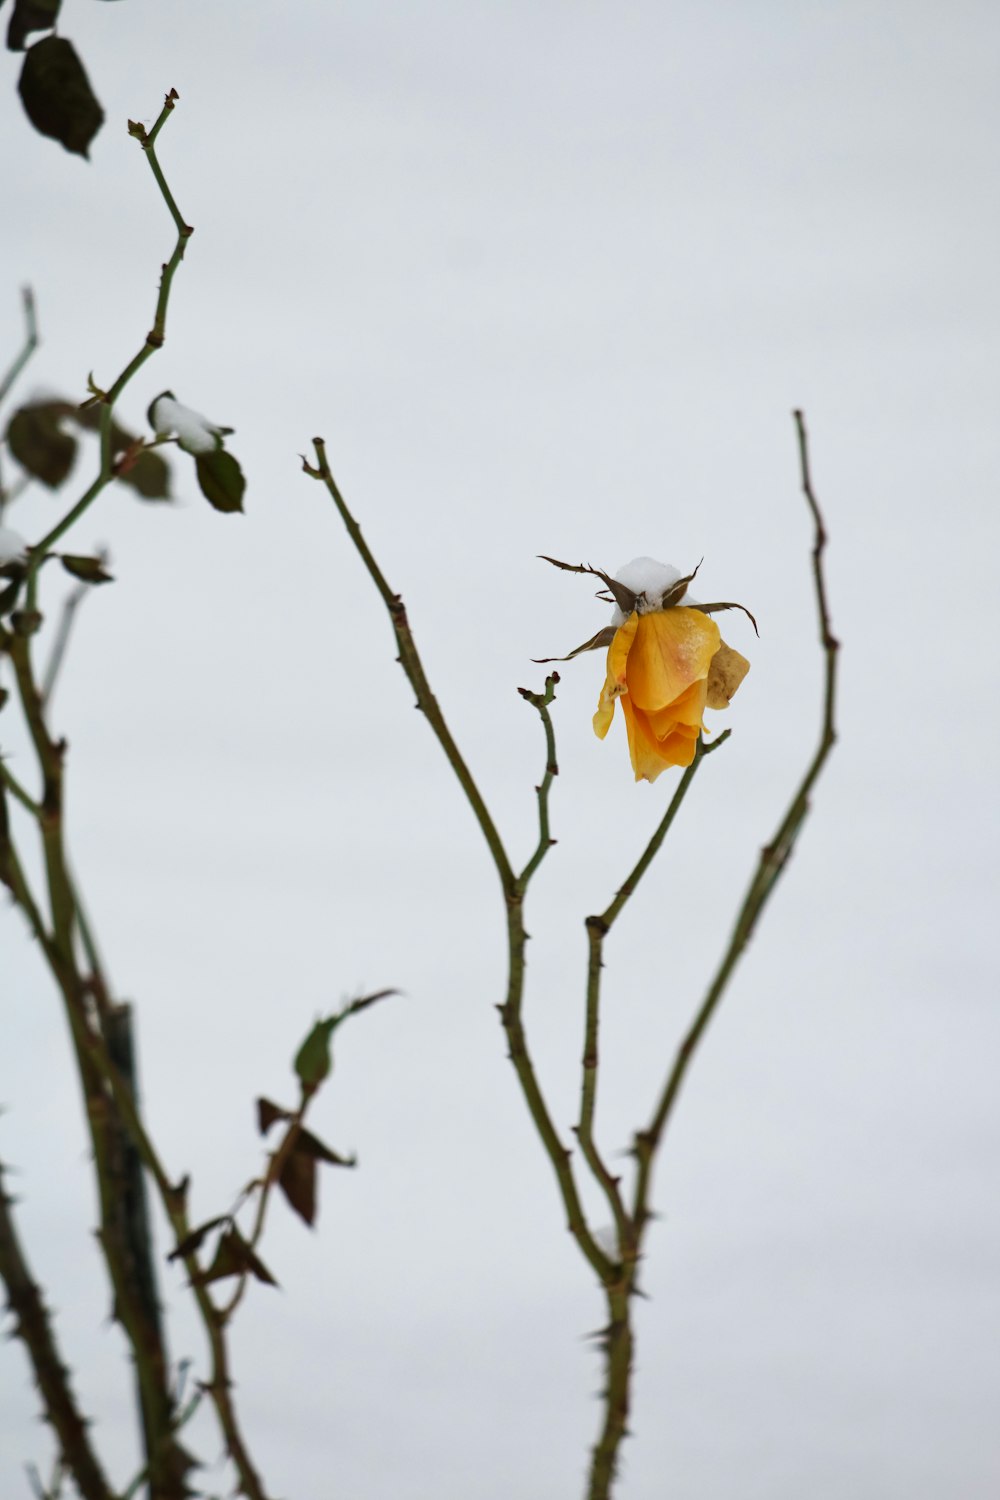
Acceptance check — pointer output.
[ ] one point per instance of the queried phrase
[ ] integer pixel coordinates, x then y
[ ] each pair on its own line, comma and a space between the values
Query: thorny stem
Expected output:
648, 1142
100, 1077
513, 886
618, 1277
773, 859
33, 1326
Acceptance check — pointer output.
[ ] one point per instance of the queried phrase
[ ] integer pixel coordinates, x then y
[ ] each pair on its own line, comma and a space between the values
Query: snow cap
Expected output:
195, 433
649, 580
13, 547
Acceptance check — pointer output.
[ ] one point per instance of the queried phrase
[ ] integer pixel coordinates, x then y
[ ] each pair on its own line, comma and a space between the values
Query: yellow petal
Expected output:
615, 683
673, 648
651, 752
727, 671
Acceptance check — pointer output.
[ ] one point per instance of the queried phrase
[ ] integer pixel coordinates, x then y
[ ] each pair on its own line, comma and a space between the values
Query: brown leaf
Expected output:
298, 1183
267, 1113
234, 1257
192, 1242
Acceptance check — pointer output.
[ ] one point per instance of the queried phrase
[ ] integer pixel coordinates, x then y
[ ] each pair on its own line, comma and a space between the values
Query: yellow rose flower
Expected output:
666, 666
667, 662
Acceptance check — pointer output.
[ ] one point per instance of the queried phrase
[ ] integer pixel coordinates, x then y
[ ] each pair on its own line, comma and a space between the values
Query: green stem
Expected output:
619, 1345
773, 859
29, 346
154, 340
409, 660
541, 702
513, 886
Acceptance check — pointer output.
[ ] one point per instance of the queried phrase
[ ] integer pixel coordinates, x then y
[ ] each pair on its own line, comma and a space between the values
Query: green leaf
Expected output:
221, 480
38, 442
313, 1060
29, 16
87, 569
57, 96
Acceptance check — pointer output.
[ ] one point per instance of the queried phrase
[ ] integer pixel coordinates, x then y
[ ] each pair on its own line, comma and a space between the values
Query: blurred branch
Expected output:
7, 381
33, 1327
29, 347
154, 340
71, 604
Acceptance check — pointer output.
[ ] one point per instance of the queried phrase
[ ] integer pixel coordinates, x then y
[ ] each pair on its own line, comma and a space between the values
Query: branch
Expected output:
29, 346
773, 859
513, 886
33, 1326
154, 340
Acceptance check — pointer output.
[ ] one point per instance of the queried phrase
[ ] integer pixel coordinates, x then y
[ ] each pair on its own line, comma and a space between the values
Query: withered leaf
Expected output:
87, 569
298, 1174
268, 1112
604, 637
233, 1257
192, 1242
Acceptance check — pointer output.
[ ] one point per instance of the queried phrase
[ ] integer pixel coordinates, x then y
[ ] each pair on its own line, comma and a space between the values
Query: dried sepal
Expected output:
604, 637
624, 597
713, 609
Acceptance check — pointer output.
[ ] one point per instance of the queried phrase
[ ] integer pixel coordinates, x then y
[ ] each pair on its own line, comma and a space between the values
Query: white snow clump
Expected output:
195, 433
13, 547
648, 579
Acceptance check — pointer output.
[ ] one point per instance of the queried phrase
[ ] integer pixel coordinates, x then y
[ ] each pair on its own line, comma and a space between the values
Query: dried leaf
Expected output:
192, 1242
298, 1174
233, 1257
298, 1183
87, 569
267, 1113
604, 637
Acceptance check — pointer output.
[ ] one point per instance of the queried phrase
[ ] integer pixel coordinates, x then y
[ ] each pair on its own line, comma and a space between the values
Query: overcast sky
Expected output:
548, 278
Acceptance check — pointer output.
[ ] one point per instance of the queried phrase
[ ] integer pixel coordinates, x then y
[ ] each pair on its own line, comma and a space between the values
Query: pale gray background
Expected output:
550, 278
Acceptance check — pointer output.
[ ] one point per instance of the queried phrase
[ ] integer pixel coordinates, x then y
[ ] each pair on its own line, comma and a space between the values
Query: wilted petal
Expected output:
727, 671
615, 682
672, 649
654, 748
